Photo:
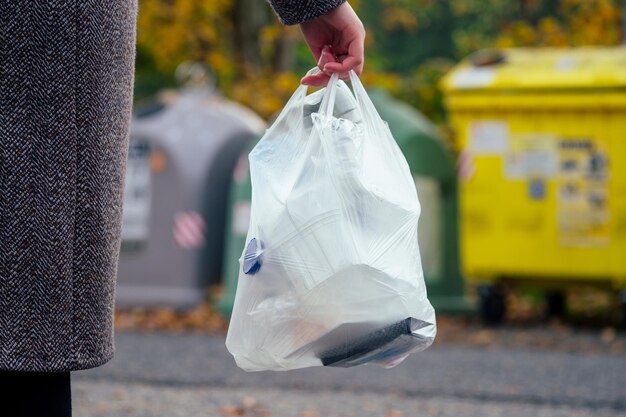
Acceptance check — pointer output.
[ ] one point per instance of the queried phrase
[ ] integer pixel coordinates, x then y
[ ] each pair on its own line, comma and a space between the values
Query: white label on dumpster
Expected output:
473, 77
241, 217
430, 236
488, 137
531, 155
137, 192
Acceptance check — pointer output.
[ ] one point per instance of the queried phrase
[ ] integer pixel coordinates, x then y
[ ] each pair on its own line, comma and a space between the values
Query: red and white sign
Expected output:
188, 229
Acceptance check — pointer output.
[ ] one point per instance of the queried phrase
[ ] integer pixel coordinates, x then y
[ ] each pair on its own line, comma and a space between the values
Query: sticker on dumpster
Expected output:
583, 215
537, 189
488, 137
241, 172
430, 236
136, 211
531, 155
188, 229
241, 217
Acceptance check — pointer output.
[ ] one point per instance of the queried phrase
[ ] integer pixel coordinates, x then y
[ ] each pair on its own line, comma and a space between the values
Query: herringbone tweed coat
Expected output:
292, 12
66, 80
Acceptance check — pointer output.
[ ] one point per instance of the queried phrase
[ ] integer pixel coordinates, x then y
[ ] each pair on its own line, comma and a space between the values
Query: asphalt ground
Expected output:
187, 374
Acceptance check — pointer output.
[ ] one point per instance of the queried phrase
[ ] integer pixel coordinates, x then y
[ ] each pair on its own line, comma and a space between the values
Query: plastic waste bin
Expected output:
435, 178
237, 223
543, 190
181, 158
434, 170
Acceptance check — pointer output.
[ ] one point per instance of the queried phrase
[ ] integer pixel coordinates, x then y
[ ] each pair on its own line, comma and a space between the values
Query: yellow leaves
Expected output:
173, 31
219, 62
469, 42
270, 33
552, 33
422, 88
265, 94
460, 7
396, 17
523, 33
202, 318
582, 22
609, 11
595, 22
385, 80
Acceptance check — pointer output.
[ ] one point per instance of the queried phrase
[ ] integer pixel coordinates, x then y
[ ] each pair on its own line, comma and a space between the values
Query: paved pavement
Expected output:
193, 375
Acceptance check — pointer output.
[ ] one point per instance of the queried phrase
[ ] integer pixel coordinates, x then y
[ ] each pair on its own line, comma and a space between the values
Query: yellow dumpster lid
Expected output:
540, 68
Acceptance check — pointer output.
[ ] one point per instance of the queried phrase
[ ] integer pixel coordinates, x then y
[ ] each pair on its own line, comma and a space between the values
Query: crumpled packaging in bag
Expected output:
331, 274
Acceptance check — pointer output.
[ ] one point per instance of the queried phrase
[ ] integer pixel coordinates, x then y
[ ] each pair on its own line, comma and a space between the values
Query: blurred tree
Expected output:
172, 31
249, 52
570, 23
410, 43
420, 39
248, 19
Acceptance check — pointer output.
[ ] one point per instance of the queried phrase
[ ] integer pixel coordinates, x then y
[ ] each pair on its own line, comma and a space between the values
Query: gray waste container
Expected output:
181, 157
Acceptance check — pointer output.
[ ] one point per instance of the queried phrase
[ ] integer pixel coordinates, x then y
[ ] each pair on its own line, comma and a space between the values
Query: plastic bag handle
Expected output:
327, 106
364, 103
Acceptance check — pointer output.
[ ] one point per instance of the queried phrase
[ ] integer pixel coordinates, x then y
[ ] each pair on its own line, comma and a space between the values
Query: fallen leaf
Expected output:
608, 335
249, 402
483, 337
229, 410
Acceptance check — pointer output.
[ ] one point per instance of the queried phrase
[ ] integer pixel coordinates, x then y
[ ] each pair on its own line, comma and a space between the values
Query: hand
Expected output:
343, 32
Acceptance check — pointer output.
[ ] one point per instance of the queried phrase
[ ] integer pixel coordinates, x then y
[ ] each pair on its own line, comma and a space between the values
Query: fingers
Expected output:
329, 64
320, 79
353, 60
316, 80
326, 57
342, 29
344, 67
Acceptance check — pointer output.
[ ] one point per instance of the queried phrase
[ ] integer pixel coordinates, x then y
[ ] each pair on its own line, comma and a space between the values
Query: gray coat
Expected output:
66, 78
292, 12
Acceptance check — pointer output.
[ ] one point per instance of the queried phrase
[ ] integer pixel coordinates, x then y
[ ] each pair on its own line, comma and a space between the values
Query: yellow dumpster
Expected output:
542, 167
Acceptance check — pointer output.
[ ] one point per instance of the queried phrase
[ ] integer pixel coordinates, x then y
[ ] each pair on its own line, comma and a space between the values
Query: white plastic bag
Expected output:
331, 274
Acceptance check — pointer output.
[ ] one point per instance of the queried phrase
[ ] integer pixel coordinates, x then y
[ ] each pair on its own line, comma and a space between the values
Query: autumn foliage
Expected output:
410, 43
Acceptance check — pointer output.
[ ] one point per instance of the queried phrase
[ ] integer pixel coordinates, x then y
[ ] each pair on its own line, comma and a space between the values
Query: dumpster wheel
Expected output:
622, 304
492, 304
556, 304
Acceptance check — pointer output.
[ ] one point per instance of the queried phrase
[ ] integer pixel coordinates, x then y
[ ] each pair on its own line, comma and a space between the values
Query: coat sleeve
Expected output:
292, 12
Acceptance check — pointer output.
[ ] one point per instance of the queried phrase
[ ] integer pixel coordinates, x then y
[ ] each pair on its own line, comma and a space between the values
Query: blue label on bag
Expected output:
251, 258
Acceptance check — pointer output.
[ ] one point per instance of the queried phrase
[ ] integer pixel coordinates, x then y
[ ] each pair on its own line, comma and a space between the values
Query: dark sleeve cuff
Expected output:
293, 12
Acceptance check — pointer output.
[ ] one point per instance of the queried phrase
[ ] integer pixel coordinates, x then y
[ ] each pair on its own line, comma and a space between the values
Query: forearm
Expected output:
292, 12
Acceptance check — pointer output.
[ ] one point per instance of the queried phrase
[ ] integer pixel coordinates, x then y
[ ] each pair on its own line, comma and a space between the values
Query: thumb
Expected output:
327, 56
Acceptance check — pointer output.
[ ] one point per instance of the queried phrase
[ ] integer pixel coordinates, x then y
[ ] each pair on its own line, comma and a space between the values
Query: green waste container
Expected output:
434, 171
237, 222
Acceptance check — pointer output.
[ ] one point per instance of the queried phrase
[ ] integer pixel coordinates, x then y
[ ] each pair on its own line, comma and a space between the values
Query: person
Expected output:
65, 103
